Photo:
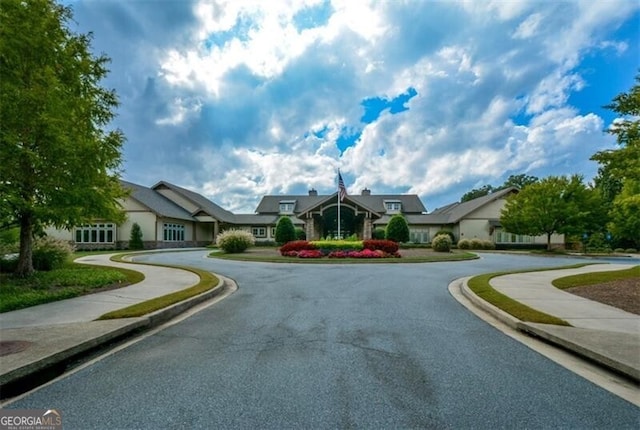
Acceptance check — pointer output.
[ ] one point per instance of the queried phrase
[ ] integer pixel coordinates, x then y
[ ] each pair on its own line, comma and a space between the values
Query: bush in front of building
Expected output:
377, 233
464, 244
448, 233
487, 244
300, 234
476, 243
296, 246
397, 229
235, 241
441, 243
285, 231
135, 239
387, 246
50, 253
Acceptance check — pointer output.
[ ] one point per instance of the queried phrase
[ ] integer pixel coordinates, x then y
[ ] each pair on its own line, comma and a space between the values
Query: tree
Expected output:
519, 181
625, 214
135, 240
476, 192
619, 172
59, 166
285, 231
553, 205
397, 229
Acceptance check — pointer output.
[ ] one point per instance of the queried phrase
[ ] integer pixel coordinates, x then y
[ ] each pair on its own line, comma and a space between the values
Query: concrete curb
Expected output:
121, 329
560, 336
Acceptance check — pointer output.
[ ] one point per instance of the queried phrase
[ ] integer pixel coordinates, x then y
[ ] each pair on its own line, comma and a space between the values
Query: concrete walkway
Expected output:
39, 338
158, 281
599, 332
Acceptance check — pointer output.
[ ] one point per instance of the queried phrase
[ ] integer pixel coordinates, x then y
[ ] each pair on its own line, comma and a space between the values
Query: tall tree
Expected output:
60, 166
477, 192
624, 162
519, 181
553, 205
625, 214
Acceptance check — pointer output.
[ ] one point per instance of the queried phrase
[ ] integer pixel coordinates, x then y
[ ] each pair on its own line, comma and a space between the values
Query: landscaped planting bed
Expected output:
340, 249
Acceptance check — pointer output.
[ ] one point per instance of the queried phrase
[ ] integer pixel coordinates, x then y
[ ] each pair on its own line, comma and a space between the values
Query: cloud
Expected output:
237, 99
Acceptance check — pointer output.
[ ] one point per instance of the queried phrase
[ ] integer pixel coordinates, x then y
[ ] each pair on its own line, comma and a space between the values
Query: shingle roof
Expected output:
202, 202
156, 202
257, 219
454, 212
376, 203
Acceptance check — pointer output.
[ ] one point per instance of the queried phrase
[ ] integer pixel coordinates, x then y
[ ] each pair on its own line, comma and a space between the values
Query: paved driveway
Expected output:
335, 346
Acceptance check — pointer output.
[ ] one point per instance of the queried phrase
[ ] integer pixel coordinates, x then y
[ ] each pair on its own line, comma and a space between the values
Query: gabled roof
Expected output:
256, 219
375, 203
454, 212
156, 202
199, 200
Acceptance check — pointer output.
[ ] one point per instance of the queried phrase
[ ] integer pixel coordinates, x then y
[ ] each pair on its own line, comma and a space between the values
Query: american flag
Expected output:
342, 191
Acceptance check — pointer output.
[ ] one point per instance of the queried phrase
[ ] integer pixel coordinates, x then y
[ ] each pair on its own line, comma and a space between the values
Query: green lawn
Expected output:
596, 278
72, 280
481, 287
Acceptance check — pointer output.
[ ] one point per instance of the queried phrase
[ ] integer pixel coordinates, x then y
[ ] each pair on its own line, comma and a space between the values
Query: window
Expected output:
393, 205
173, 232
96, 233
419, 235
286, 206
259, 231
273, 232
504, 237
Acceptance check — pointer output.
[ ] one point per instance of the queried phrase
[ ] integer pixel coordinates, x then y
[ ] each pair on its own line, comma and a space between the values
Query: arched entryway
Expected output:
350, 223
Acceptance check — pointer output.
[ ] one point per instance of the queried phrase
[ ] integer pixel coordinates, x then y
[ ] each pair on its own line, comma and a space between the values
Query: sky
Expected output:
239, 99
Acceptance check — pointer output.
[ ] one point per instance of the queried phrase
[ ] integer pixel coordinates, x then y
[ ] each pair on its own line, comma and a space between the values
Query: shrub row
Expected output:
388, 246
340, 249
475, 244
441, 243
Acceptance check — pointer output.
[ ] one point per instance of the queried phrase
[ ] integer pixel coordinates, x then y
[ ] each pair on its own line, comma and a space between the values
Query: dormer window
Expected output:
286, 206
393, 206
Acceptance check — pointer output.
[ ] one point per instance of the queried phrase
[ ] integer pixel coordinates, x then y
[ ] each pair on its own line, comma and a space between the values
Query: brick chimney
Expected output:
366, 192
313, 192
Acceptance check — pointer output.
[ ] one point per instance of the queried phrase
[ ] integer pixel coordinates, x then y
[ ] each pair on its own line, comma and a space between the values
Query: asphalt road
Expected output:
334, 346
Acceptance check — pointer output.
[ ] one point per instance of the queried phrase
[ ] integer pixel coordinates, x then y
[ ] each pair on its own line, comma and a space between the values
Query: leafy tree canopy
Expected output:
60, 166
553, 205
285, 231
519, 181
624, 162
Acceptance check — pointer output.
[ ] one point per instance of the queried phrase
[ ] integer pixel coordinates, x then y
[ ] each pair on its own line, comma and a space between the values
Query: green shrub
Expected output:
8, 264
441, 243
377, 233
235, 241
618, 250
50, 253
135, 240
631, 250
397, 229
487, 244
285, 231
300, 234
337, 245
464, 244
475, 243
447, 232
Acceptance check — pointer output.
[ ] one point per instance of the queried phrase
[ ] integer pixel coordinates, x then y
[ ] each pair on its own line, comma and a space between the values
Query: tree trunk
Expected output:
25, 259
549, 241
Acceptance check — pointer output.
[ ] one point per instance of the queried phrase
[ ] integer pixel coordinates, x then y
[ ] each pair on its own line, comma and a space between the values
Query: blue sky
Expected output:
238, 99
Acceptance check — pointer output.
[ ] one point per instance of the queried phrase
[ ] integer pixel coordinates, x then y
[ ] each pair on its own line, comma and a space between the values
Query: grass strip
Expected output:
596, 278
72, 280
207, 282
481, 286
457, 256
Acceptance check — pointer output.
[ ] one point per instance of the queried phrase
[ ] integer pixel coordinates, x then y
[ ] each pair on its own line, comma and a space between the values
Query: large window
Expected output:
418, 235
173, 232
96, 233
259, 231
504, 237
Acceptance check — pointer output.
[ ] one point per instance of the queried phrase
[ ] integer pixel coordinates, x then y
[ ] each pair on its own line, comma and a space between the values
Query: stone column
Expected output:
367, 228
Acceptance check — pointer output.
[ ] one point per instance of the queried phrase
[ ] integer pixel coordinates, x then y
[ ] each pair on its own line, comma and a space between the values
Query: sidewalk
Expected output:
599, 332
39, 338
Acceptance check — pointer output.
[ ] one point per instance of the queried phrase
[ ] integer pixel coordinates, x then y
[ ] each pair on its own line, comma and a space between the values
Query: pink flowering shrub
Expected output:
310, 253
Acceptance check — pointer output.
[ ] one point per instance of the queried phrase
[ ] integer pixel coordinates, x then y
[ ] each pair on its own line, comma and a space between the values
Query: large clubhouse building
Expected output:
171, 216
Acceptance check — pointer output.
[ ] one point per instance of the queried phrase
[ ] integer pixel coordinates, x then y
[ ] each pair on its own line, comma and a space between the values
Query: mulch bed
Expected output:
623, 294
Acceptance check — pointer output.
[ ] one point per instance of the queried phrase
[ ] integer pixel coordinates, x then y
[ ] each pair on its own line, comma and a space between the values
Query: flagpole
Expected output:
338, 215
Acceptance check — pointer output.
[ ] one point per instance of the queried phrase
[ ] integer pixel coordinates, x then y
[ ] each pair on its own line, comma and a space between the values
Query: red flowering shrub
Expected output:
296, 246
388, 246
310, 253
365, 253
